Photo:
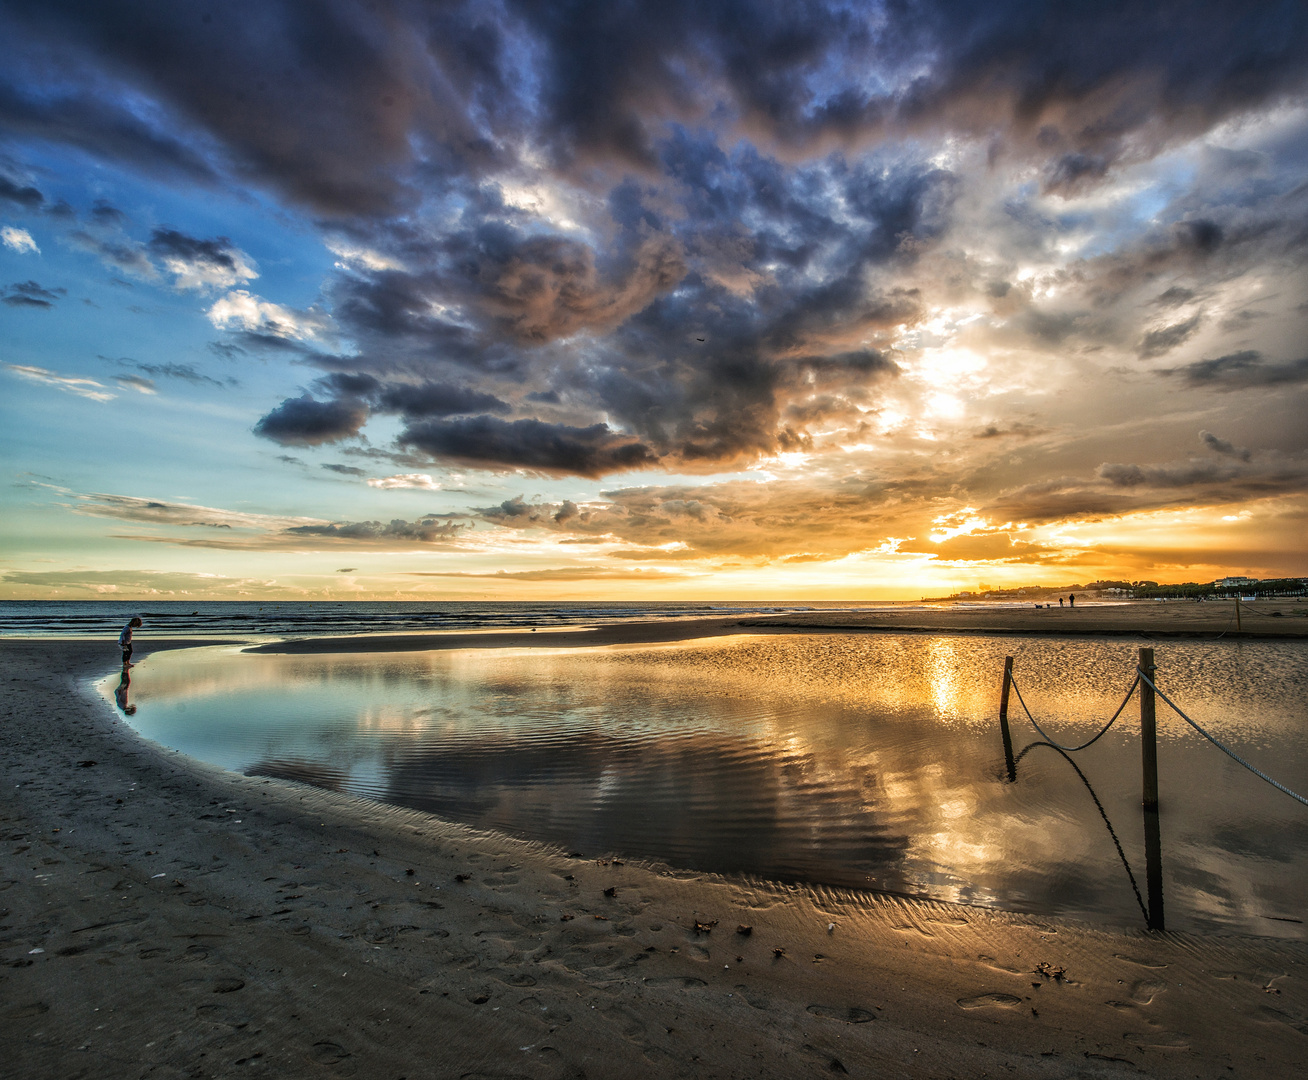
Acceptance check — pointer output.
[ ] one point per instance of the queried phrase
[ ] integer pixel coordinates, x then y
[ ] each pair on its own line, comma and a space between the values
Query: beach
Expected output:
163, 917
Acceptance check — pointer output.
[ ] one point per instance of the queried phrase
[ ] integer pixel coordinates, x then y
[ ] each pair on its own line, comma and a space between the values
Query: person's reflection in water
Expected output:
120, 695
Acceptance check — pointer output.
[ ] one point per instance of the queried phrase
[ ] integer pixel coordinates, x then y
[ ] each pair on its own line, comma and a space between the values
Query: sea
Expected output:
218, 618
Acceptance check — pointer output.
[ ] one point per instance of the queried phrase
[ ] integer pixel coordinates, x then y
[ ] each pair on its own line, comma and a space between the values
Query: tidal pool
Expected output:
863, 761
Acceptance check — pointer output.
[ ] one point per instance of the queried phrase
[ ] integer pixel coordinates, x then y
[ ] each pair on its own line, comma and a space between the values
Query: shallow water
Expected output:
862, 761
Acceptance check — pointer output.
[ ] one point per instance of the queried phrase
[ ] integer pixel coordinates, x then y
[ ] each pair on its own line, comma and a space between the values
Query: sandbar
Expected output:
162, 917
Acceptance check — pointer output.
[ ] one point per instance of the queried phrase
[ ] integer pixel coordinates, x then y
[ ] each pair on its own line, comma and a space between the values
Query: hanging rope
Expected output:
1102, 813
1072, 749
1220, 745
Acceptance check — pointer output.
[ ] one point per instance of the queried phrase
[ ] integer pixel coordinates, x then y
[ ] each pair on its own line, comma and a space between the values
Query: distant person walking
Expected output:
1060, 601
1071, 599
125, 638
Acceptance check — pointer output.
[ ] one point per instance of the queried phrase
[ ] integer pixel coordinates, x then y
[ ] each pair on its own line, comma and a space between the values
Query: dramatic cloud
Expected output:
303, 421
529, 444
829, 285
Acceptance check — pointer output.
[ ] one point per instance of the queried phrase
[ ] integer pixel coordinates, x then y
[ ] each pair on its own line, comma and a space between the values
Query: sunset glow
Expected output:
540, 301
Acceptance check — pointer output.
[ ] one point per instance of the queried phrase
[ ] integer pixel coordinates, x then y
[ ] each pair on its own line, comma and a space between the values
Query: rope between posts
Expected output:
1072, 749
1102, 813
1220, 746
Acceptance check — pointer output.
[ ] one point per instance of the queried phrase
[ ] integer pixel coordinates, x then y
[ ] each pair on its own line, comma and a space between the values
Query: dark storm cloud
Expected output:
1245, 370
344, 384
76, 115
529, 444
304, 421
436, 399
348, 96
719, 267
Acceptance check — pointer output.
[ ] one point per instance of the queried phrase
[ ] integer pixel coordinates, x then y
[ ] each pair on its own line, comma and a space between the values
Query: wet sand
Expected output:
160, 917
1137, 618
1141, 618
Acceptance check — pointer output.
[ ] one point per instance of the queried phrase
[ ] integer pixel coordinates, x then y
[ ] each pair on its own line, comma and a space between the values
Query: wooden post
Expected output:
1003, 719
1149, 763
1237, 612
1148, 732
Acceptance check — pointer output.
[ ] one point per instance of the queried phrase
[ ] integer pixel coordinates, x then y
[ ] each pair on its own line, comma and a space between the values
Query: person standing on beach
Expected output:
125, 639
1071, 599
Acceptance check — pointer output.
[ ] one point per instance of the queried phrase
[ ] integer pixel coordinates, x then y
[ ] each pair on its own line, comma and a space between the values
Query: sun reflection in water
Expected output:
862, 761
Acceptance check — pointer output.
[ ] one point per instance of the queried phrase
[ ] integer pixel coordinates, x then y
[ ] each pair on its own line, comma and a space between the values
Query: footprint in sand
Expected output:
846, 1014
1144, 991
982, 1001
326, 1053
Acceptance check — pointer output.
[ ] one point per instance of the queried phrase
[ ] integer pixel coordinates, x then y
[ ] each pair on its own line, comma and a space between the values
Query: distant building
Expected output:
1233, 582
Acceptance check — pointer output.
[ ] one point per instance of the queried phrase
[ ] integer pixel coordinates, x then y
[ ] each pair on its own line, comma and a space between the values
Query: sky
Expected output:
531, 300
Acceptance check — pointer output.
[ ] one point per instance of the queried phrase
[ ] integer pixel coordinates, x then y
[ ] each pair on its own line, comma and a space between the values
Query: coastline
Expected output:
1142, 618
223, 923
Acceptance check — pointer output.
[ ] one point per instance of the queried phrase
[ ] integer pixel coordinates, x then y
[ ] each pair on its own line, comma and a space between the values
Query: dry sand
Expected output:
160, 917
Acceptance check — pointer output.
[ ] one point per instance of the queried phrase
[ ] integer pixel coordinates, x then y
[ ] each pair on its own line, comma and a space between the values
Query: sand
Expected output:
160, 917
